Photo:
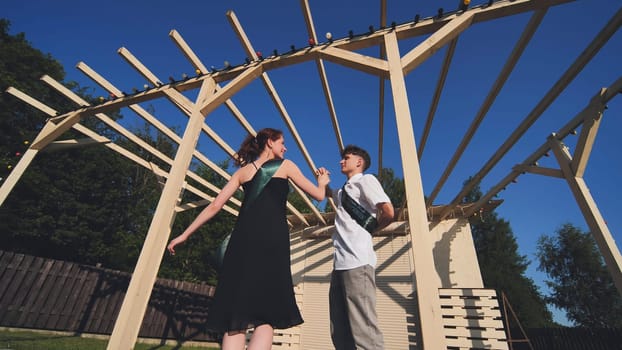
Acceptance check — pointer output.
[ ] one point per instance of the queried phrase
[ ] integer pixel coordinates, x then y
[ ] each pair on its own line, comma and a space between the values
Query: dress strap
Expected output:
261, 178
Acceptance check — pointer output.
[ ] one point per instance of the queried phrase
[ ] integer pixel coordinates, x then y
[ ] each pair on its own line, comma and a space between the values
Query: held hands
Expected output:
323, 176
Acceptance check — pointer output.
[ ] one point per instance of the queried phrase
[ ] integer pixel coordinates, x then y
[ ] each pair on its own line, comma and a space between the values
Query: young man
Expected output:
352, 295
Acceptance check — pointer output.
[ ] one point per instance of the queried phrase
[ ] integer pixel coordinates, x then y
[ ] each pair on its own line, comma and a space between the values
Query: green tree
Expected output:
393, 186
579, 281
503, 268
89, 204
82, 204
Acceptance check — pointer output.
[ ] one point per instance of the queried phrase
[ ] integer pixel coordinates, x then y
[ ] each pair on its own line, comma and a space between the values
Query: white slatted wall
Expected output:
472, 319
395, 302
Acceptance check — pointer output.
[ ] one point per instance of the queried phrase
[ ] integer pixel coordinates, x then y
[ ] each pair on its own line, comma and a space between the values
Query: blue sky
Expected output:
75, 31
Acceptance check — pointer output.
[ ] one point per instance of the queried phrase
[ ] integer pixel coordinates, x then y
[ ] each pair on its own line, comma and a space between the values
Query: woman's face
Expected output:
278, 147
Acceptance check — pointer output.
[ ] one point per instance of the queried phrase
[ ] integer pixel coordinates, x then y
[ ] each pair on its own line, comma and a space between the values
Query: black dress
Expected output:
255, 284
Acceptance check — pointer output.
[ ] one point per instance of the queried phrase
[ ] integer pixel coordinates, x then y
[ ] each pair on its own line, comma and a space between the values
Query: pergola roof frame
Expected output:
444, 31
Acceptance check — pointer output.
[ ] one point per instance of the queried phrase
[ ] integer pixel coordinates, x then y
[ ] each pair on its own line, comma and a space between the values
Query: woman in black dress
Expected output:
255, 288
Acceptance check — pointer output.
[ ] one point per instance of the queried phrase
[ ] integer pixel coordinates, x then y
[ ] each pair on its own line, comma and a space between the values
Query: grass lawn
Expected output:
21, 340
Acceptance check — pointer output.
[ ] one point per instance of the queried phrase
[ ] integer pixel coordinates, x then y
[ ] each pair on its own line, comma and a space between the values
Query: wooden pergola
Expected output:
441, 31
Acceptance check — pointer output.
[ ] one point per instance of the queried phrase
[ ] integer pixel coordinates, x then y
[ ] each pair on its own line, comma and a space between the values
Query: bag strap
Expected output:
261, 179
357, 212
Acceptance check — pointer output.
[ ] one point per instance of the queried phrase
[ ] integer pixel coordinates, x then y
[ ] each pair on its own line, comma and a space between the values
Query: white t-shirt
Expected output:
353, 245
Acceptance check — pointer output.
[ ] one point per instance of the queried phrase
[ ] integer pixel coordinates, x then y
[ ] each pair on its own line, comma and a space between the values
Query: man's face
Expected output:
350, 162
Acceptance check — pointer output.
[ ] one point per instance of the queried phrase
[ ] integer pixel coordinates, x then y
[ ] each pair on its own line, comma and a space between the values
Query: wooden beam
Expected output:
507, 69
31, 101
128, 134
533, 169
306, 11
428, 47
575, 122
598, 227
132, 310
187, 51
432, 24
589, 129
237, 27
427, 282
595, 45
17, 171
70, 144
396, 228
366, 64
437, 95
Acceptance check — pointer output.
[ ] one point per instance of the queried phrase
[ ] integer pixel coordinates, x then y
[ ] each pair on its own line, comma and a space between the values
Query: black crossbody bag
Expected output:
357, 212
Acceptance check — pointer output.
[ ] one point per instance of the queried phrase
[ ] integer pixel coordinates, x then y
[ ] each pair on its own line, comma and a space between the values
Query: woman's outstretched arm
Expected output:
209, 212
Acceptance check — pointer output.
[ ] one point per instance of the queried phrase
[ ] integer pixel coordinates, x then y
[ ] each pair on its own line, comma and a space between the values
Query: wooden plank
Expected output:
476, 333
467, 292
82, 300
471, 312
470, 302
73, 312
99, 301
473, 323
67, 284
477, 344
113, 300
20, 291
117, 299
47, 297
5, 260
10, 261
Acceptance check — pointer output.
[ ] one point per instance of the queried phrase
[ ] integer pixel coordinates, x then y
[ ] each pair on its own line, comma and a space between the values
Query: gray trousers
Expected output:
353, 319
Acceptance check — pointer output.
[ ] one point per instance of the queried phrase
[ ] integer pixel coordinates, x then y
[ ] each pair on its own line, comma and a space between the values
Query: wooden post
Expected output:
594, 219
426, 282
134, 305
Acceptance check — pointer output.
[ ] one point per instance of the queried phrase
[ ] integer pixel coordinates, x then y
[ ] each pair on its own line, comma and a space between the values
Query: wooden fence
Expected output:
573, 339
46, 294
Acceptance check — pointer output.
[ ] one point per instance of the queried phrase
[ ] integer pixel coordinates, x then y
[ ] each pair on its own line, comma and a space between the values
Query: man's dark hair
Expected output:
357, 151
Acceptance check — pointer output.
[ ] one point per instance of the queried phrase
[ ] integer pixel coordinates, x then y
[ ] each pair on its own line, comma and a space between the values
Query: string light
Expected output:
416, 20
329, 37
440, 12
464, 5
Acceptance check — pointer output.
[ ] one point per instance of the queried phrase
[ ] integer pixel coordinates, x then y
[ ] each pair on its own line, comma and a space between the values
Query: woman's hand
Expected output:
178, 240
323, 177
